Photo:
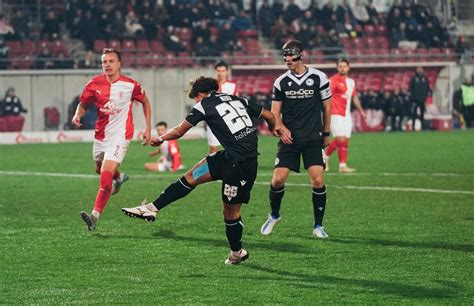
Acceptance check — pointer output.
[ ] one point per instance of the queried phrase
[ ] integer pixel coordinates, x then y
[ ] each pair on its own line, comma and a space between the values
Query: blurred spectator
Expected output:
134, 29
202, 31
374, 17
344, 10
291, 12
118, 26
4, 54
242, 22
360, 13
462, 46
50, 26
372, 100
12, 104
88, 61
88, 29
226, 38
266, 19
63, 62
467, 98
44, 60
149, 26
172, 42
419, 89
278, 8
20, 25
394, 109
6, 30
328, 18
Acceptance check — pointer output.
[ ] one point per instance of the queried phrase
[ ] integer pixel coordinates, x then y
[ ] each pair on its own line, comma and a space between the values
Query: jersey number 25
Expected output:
234, 115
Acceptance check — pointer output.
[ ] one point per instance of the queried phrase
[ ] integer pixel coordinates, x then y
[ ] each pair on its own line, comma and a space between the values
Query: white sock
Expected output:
95, 214
342, 165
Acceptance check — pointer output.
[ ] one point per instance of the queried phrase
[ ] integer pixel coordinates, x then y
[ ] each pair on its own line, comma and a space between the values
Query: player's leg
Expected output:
108, 169
335, 119
199, 174
343, 149
154, 167
314, 164
288, 158
234, 228
316, 174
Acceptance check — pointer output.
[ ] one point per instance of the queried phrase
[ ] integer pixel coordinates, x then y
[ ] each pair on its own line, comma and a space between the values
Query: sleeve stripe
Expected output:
324, 86
327, 98
198, 106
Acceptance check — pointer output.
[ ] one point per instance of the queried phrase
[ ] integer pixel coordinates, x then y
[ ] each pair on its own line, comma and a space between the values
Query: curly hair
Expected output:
202, 84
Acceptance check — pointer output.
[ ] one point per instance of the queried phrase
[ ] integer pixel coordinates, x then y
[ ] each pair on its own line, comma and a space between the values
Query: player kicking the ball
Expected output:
112, 94
230, 118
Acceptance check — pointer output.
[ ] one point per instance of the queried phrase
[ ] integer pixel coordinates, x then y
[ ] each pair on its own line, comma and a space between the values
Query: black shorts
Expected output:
237, 177
289, 155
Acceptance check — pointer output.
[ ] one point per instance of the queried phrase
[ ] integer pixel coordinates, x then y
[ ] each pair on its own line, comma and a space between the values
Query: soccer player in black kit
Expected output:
302, 108
230, 119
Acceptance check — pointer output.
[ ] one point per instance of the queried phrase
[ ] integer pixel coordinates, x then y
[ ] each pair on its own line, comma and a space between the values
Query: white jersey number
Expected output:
234, 115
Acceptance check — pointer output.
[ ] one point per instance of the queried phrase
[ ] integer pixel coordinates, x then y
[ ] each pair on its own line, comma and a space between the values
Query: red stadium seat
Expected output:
99, 45
369, 30
143, 45
58, 47
115, 44
128, 45
51, 117
184, 59
185, 34
14, 123
15, 47
382, 42
29, 46
381, 30
157, 46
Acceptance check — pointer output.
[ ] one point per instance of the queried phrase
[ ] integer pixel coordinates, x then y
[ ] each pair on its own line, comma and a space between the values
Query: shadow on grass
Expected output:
270, 245
468, 248
447, 290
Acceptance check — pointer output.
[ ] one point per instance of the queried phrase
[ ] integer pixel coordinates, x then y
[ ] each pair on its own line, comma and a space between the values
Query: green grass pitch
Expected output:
401, 230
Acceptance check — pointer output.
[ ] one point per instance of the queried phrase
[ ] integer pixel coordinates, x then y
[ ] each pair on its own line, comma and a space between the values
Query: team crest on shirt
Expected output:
110, 108
120, 94
310, 82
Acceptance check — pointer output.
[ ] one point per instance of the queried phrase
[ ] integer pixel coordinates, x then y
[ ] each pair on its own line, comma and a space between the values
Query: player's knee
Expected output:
230, 212
278, 180
317, 181
190, 179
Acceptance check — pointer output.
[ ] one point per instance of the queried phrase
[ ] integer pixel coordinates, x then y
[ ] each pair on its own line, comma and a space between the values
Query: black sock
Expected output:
233, 230
175, 191
275, 195
319, 205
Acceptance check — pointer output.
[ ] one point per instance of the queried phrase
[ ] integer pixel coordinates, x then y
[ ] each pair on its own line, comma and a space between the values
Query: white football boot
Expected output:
318, 232
141, 212
235, 258
267, 227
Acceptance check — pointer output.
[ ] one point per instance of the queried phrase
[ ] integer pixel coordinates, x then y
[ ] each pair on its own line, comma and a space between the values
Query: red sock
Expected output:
117, 175
331, 148
103, 194
342, 152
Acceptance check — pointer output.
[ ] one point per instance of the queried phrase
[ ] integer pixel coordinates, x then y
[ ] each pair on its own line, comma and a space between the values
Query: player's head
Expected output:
343, 66
419, 70
222, 71
161, 128
111, 61
201, 87
292, 53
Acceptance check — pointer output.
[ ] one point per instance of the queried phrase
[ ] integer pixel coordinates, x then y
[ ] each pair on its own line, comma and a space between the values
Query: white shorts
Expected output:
163, 166
114, 151
211, 139
341, 126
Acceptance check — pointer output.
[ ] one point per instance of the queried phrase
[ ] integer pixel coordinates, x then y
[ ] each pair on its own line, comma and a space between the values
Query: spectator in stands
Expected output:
118, 26
411, 25
291, 12
360, 13
88, 29
344, 10
278, 8
328, 18
12, 104
50, 26
4, 54
89, 61
242, 22
44, 60
172, 42
149, 26
134, 28
467, 98
372, 100
202, 30
394, 110
20, 25
461, 46
266, 19
227, 39
6, 30
63, 62
419, 89
374, 17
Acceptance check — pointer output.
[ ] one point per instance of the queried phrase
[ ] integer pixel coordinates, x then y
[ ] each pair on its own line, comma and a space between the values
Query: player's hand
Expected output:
285, 135
363, 114
146, 137
327, 141
153, 153
156, 142
76, 121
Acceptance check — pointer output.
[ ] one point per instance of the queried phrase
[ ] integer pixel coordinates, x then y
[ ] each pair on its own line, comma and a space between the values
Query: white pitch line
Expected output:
377, 188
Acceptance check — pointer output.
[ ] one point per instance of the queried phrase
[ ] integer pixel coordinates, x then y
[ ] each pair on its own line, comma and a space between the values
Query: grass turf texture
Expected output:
385, 246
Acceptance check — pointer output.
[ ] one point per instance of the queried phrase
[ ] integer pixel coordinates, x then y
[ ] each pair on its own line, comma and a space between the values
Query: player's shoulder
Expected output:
316, 72
280, 78
230, 82
127, 79
97, 79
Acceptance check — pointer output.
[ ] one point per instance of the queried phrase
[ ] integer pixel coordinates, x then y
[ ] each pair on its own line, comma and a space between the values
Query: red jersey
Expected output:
343, 89
114, 106
170, 150
229, 88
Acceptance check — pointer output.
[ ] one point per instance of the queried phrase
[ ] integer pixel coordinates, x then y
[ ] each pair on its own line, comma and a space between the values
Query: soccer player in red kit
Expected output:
113, 94
344, 92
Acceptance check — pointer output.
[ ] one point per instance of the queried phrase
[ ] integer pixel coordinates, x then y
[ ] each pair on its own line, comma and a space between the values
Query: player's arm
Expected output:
269, 118
147, 113
156, 152
174, 133
358, 105
80, 112
326, 120
280, 129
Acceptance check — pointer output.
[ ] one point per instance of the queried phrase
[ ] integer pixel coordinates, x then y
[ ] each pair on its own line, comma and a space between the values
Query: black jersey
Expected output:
302, 98
230, 119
